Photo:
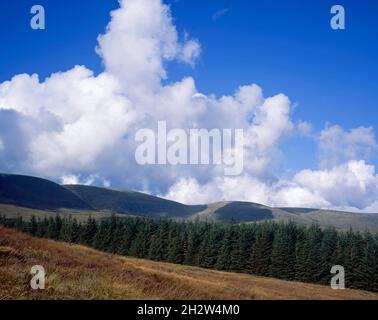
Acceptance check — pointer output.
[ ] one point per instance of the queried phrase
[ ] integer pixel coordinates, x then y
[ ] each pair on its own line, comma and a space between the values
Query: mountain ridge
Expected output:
42, 194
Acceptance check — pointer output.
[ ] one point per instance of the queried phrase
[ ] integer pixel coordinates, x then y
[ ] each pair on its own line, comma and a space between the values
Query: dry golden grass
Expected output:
78, 272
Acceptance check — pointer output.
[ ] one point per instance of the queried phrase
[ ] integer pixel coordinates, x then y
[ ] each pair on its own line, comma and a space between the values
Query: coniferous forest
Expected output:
286, 251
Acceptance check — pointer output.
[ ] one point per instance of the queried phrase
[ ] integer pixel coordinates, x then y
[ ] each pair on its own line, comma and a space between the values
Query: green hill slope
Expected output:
37, 193
235, 210
131, 202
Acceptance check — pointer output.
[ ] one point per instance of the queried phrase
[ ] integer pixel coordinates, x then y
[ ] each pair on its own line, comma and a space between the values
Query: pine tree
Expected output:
259, 259
111, 228
282, 263
128, 234
160, 252
368, 263
178, 251
329, 255
75, 231
174, 244
65, 233
301, 255
212, 246
193, 242
205, 257
140, 246
100, 236
239, 250
33, 228
42, 230
311, 265
356, 270
375, 268
228, 243
3, 219
89, 232
19, 225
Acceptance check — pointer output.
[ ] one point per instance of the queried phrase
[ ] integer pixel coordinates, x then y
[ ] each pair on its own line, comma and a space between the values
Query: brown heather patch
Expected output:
78, 272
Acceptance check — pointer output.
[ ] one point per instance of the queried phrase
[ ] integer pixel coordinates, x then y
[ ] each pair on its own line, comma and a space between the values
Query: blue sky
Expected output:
283, 46
331, 77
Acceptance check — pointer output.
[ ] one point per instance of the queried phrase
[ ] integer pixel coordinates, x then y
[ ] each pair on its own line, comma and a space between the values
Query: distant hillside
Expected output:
251, 212
339, 219
41, 194
77, 272
235, 210
32, 192
131, 202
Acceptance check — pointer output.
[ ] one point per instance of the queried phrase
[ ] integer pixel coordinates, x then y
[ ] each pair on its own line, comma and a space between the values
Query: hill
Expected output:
131, 202
250, 212
77, 272
45, 198
32, 192
236, 210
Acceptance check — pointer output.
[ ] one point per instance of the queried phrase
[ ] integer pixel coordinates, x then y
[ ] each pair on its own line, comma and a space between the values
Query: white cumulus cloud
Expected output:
77, 127
337, 145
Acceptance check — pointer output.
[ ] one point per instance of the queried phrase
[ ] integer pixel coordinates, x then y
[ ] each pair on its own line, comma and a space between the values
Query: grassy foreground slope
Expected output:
77, 272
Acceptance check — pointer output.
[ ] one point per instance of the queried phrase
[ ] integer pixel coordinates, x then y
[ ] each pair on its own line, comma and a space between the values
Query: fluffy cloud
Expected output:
138, 39
337, 145
76, 127
351, 186
65, 123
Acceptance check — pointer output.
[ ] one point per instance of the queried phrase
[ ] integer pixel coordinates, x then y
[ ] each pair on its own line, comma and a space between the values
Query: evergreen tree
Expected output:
282, 262
368, 263
375, 264
140, 246
259, 259
355, 274
19, 225
89, 232
240, 248
65, 233
301, 255
100, 236
314, 254
193, 243
228, 243
174, 244
177, 251
42, 229
328, 255
33, 228
160, 251
129, 230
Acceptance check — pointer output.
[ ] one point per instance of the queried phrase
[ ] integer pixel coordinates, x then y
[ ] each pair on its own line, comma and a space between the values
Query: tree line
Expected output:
281, 250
